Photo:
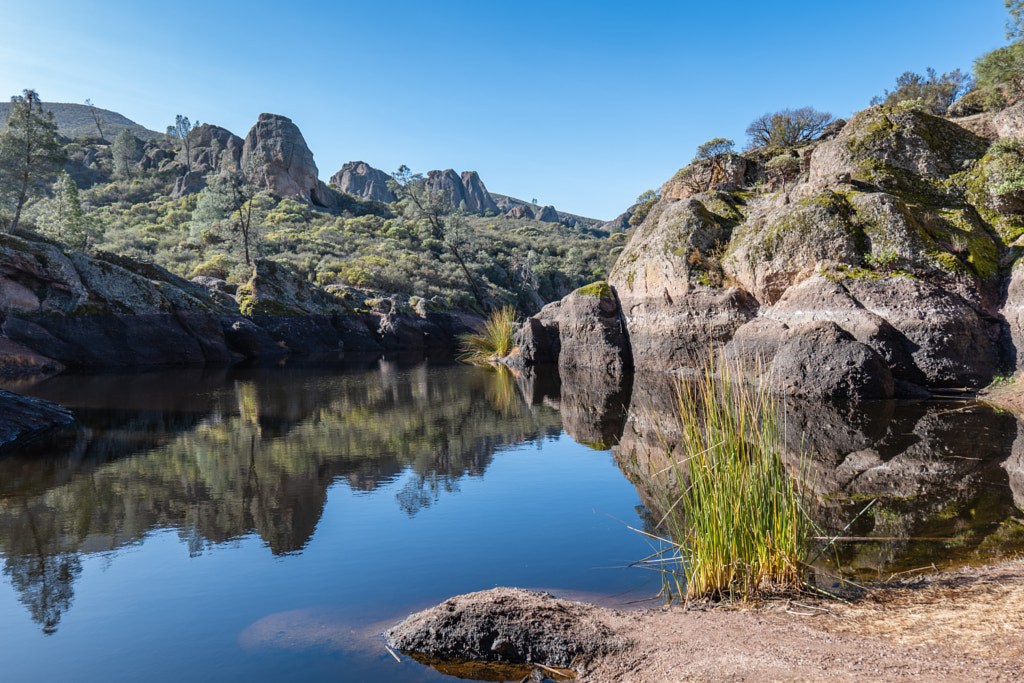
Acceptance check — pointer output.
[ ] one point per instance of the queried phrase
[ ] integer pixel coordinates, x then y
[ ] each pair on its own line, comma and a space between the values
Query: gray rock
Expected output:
190, 183
290, 170
821, 360
362, 180
591, 333
507, 625
478, 199
547, 214
22, 417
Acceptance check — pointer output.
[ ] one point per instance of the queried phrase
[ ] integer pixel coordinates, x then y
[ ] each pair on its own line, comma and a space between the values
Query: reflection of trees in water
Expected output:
253, 452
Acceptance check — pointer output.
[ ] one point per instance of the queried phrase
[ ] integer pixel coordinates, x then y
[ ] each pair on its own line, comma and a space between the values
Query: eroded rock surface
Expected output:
508, 625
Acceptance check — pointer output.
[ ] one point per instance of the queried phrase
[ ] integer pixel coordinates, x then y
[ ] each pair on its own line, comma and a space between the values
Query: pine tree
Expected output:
63, 218
30, 153
125, 152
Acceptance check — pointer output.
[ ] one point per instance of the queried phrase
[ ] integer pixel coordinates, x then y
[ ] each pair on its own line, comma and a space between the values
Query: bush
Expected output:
934, 92
494, 340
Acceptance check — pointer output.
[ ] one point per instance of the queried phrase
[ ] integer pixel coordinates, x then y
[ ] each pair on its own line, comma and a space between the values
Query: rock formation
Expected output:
362, 180
68, 309
467, 189
876, 272
290, 170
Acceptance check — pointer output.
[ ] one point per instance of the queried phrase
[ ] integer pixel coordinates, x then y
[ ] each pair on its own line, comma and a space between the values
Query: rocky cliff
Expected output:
881, 269
62, 308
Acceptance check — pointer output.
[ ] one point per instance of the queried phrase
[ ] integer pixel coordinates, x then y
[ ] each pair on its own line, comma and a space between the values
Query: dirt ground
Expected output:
966, 625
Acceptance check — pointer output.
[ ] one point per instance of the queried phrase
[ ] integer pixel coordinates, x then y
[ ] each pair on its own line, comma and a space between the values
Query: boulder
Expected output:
290, 170
591, 333
193, 182
275, 290
703, 175
547, 214
211, 145
450, 183
507, 625
22, 417
520, 211
821, 360
362, 180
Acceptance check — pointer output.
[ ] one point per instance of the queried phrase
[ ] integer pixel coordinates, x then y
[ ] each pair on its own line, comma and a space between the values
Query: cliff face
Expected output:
362, 180
891, 234
63, 308
290, 170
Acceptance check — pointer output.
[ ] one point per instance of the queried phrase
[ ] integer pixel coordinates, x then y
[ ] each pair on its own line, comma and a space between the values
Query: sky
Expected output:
582, 105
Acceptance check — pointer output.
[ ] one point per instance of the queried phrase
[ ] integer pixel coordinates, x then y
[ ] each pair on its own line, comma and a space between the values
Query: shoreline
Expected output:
953, 625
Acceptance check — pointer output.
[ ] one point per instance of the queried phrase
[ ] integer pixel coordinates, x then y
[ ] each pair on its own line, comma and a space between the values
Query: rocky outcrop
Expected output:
520, 211
70, 309
507, 625
362, 180
889, 236
547, 214
23, 417
290, 171
590, 330
478, 199
466, 191
210, 146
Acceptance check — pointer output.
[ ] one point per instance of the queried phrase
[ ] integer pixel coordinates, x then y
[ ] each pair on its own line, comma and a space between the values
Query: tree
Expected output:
125, 151
788, 127
234, 201
936, 92
706, 170
30, 153
180, 130
643, 206
420, 203
97, 117
784, 167
1015, 24
62, 217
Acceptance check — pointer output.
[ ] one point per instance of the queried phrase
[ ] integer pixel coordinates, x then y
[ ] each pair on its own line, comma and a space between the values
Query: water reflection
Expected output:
946, 469
218, 455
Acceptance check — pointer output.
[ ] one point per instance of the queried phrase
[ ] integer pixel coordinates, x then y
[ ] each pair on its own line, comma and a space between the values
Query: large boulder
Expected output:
507, 625
362, 180
547, 214
290, 170
821, 360
726, 173
274, 289
590, 329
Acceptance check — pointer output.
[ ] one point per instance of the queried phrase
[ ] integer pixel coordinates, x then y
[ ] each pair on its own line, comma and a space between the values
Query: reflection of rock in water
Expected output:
594, 406
1014, 466
223, 455
936, 468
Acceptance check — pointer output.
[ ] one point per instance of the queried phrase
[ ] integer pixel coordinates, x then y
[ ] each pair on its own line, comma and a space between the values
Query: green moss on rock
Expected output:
601, 290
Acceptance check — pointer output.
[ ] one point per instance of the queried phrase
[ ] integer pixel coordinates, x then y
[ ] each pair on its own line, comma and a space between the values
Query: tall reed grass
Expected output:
740, 523
493, 341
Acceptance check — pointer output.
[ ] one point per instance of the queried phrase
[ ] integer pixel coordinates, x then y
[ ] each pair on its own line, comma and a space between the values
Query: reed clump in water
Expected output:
493, 341
740, 524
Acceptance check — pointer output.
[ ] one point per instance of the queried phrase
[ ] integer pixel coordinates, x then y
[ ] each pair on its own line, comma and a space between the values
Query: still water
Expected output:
268, 524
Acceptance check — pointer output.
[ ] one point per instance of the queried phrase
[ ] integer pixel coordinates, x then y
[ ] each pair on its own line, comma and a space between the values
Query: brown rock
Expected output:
290, 169
362, 180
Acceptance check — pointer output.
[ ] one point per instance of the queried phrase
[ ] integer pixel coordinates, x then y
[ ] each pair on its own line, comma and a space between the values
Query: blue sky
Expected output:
583, 105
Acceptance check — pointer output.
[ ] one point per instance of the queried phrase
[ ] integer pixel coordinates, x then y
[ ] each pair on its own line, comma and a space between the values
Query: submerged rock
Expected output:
23, 416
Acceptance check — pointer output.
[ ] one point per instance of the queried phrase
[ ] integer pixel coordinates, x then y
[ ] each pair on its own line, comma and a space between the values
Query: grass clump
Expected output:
493, 341
740, 526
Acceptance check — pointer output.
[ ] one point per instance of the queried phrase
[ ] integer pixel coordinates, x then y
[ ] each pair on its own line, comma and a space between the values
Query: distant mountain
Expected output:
76, 120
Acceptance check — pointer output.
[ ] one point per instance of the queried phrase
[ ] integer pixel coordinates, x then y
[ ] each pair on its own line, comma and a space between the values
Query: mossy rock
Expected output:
600, 290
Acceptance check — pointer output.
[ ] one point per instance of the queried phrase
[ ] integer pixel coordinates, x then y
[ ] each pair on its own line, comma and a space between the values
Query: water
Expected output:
268, 524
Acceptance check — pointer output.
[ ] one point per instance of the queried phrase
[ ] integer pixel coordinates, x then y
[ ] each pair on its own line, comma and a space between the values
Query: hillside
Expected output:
76, 120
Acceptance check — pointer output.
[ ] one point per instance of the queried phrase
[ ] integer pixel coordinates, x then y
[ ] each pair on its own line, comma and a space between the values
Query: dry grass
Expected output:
493, 341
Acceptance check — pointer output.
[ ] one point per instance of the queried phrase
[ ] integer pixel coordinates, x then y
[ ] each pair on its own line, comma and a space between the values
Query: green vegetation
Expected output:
788, 128
931, 93
740, 525
30, 156
600, 290
495, 340
644, 203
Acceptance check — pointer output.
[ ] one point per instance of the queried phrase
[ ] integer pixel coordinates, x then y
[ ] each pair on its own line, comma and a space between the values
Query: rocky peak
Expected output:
208, 143
290, 169
362, 180
478, 199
